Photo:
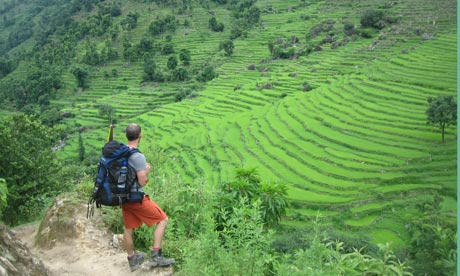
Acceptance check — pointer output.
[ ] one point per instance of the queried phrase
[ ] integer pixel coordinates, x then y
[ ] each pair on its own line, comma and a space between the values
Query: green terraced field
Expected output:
354, 147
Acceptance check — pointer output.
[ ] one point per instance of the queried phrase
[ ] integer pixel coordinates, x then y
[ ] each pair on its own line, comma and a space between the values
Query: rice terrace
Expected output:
326, 97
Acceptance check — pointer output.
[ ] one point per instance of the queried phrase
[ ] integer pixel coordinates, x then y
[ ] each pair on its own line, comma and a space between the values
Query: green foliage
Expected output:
248, 188
433, 241
107, 112
163, 24
207, 74
273, 202
216, 26
184, 57
130, 22
20, 33
181, 74
167, 49
150, 71
81, 148
287, 48
240, 249
6, 66
227, 46
373, 18
3, 195
349, 28
442, 111
172, 63
38, 81
91, 56
328, 258
81, 74
28, 165
50, 116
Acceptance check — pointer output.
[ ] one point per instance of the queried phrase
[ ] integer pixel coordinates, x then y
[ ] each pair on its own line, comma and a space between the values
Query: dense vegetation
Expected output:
344, 108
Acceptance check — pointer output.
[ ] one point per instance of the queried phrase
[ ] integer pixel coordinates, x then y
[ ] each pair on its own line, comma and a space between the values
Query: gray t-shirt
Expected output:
138, 162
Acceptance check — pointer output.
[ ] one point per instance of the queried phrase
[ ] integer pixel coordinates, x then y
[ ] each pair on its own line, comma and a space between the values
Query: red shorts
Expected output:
136, 213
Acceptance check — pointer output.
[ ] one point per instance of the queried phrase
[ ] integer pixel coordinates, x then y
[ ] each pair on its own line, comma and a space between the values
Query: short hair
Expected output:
133, 131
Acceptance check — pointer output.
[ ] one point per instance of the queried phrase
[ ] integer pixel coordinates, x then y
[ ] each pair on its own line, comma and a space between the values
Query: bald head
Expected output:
133, 132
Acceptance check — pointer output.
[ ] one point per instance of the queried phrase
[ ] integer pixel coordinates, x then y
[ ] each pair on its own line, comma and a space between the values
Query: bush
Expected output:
227, 46
207, 74
373, 19
241, 249
215, 26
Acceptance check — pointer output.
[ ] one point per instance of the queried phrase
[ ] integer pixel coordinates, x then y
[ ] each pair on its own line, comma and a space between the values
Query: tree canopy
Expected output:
28, 165
442, 111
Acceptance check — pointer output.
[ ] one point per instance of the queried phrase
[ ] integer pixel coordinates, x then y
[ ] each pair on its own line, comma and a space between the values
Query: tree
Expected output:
28, 165
172, 63
215, 26
184, 56
228, 47
207, 74
81, 148
81, 75
130, 22
150, 71
442, 111
107, 112
180, 74
373, 19
6, 66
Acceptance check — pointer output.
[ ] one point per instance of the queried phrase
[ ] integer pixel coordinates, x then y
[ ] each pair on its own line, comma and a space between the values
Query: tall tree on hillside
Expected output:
442, 111
227, 46
107, 111
81, 75
184, 56
81, 148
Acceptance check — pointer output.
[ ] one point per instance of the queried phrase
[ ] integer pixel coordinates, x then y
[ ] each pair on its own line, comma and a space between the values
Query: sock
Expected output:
156, 249
131, 255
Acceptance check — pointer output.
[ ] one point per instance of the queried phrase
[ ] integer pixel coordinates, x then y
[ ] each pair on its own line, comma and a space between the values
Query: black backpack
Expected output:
115, 181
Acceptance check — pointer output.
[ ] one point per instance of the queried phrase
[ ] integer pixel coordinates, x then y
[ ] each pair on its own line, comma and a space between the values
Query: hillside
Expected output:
340, 118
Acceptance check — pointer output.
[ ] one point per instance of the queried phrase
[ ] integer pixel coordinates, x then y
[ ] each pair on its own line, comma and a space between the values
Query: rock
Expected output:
16, 258
59, 223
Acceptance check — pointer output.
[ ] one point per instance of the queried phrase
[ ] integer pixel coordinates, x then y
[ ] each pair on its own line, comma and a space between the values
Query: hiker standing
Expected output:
147, 211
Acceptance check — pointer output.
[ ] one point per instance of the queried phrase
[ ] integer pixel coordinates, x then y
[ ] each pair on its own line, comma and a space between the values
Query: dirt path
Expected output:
93, 252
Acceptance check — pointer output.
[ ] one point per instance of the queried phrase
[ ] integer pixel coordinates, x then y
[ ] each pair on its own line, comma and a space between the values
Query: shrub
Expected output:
172, 63
207, 74
373, 19
163, 24
215, 26
241, 249
348, 28
227, 46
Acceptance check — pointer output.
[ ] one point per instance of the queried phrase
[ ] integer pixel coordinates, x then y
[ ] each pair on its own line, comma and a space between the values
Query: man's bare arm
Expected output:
142, 176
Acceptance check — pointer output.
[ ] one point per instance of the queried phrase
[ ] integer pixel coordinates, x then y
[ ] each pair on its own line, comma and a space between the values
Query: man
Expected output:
147, 211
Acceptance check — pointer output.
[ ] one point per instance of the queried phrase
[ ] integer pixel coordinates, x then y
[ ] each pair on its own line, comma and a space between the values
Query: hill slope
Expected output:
344, 125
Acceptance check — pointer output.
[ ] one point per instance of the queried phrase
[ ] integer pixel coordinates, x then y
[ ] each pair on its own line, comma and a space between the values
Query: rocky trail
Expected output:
84, 249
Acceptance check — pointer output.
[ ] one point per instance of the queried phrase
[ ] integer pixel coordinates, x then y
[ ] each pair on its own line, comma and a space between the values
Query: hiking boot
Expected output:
157, 259
136, 260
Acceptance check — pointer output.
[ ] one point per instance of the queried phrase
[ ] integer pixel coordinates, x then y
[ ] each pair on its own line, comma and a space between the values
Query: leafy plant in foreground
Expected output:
248, 188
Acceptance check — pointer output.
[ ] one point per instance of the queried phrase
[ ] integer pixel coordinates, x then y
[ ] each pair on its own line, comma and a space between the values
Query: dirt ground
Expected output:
93, 252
